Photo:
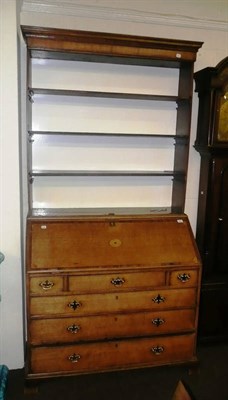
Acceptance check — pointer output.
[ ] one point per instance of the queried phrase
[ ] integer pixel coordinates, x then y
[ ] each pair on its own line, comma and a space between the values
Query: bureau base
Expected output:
110, 293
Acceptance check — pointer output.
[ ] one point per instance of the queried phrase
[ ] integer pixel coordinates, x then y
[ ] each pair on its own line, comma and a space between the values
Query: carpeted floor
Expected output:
208, 382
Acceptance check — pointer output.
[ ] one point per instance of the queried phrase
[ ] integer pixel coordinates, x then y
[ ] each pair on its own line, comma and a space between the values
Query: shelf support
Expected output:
30, 95
31, 137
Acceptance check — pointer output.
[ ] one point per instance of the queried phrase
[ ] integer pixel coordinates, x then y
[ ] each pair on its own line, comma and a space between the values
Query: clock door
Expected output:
221, 123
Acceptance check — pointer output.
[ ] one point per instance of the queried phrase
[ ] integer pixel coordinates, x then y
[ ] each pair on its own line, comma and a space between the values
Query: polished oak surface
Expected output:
113, 355
136, 287
79, 243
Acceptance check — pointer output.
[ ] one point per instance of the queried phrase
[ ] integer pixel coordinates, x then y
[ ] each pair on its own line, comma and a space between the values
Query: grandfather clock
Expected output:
212, 221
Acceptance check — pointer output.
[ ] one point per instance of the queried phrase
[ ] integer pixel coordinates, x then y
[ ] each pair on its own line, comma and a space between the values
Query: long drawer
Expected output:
112, 355
66, 330
110, 302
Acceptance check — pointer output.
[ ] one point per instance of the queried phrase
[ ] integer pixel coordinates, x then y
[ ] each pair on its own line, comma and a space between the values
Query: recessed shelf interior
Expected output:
103, 132
104, 77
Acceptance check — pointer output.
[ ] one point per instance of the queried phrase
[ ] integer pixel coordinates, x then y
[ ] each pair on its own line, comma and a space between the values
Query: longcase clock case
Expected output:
212, 222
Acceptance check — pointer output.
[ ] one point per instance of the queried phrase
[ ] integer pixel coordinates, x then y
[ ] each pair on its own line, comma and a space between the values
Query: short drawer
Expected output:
46, 284
66, 330
116, 281
185, 277
113, 355
113, 302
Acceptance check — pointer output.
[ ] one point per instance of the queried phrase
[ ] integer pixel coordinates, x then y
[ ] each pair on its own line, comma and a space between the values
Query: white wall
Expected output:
11, 315
203, 20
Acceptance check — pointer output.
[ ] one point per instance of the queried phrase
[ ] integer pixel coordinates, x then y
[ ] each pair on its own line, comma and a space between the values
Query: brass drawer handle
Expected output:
73, 328
158, 299
157, 350
183, 277
74, 358
158, 321
46, 285
74, 305
118, 281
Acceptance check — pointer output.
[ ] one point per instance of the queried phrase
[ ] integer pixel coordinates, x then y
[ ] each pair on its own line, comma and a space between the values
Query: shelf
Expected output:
122, 134
111, 95
74, 212
145, 62
35, 173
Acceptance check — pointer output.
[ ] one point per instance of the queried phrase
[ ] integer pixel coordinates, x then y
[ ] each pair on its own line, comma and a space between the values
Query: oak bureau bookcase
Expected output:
108, 287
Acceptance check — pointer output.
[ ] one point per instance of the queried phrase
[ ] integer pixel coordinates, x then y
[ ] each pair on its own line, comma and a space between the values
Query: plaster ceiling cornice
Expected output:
75, 9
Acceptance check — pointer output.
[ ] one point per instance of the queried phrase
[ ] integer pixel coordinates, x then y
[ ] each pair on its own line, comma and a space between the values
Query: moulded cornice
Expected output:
58, 7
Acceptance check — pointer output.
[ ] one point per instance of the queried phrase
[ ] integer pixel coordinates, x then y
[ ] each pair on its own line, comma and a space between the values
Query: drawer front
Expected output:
73, 244
185, 277
114, 282
112, 355
111, 302
46, 284
66, 330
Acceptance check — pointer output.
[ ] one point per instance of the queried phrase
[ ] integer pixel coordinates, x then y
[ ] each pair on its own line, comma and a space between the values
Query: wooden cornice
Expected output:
52, 40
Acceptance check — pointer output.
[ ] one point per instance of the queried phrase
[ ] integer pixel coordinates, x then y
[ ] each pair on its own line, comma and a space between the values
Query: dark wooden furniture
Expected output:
111, 288
212, 225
